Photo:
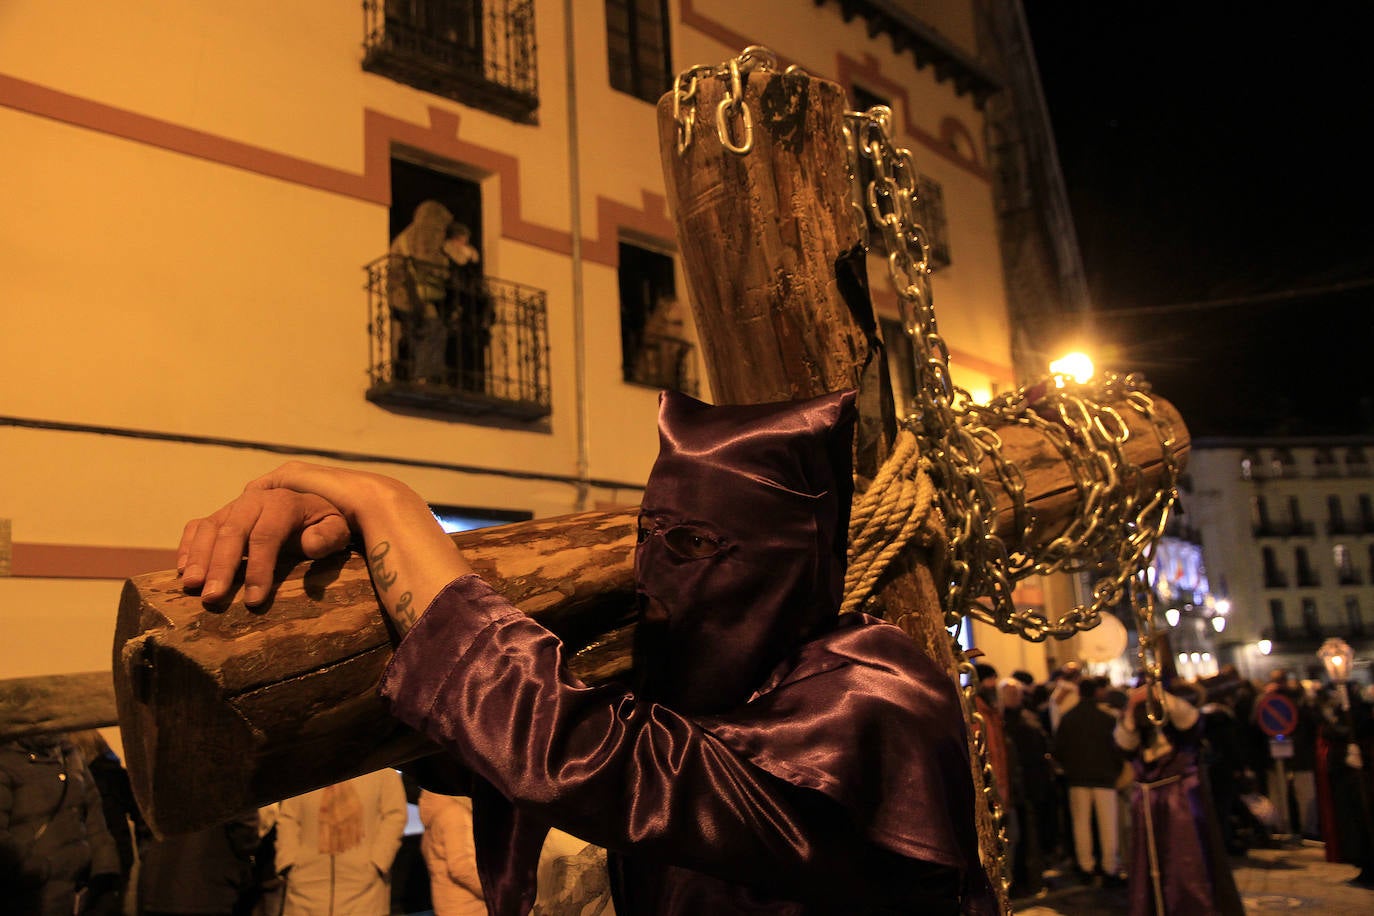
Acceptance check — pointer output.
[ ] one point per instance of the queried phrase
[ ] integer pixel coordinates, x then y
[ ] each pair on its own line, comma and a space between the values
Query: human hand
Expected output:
261, 522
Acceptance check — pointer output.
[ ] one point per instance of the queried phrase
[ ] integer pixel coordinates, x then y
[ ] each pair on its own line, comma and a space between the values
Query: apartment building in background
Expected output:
1287, 530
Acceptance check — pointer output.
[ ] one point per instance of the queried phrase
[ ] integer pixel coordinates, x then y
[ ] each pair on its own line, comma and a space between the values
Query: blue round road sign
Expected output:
1276, 715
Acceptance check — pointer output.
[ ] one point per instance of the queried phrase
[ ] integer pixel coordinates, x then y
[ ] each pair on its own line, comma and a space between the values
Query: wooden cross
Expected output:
261, 705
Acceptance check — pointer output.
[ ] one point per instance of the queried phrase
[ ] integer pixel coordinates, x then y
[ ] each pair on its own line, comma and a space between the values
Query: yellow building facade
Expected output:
192, 192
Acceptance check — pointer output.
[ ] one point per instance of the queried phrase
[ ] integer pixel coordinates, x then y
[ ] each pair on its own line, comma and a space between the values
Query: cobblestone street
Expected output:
1288, 879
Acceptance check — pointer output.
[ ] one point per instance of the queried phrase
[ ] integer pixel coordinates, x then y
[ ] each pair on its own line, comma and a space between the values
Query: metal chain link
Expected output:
1121, 517
731, 111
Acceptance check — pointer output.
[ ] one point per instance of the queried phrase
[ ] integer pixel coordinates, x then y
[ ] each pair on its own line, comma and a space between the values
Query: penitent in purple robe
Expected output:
774, 757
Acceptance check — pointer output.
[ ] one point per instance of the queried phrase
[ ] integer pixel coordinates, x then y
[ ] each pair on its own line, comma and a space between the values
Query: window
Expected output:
637, 44
1366, 514
864, 99
1324, 463
1297, 525
1356, 462
930, 212
901, 365
1281, 464
1335, 518
478, 52
1345, 568
1307, 578
1247, 467
446, 336
1276, 617
1310, 622
1353, 618
1273, 576
1259, 516
655, 350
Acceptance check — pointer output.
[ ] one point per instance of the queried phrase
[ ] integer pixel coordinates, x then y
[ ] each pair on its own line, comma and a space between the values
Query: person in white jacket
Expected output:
335, 846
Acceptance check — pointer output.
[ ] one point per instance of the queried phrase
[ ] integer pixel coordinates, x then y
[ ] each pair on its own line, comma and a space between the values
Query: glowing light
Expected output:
1196, 657
1218, 623
1223, 605
1077, 366
1264, 646
1171, 616
1183, 658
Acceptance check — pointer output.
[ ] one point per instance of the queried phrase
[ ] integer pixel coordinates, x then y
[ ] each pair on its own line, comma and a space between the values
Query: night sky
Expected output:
1217, 151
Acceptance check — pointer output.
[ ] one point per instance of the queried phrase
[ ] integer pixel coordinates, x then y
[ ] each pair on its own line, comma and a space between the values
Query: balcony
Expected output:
479, 350
480, 54
665, 362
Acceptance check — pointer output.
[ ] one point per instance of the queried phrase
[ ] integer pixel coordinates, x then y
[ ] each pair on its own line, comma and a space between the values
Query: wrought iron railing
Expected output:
478, 52
665, 362
468, 347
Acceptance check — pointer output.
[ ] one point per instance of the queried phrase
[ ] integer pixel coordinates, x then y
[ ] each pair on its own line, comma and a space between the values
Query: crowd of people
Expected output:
1102, 784
72, 841
1094, 789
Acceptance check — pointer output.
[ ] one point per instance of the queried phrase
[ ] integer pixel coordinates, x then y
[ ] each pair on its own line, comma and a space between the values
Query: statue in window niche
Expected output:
417, 291
470, 311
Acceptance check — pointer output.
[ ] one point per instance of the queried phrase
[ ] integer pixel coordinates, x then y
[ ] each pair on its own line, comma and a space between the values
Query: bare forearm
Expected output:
410, 557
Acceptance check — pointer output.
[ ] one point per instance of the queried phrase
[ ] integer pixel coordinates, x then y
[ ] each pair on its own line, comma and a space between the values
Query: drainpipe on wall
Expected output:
578, 302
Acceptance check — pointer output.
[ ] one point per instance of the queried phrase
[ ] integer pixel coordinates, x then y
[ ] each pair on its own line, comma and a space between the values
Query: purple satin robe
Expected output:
842, 787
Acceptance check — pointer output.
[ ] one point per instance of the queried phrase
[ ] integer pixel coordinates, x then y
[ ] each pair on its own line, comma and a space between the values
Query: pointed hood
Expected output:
742, 543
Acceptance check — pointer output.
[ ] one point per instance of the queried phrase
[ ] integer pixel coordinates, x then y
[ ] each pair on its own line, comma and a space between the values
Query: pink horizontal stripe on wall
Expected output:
75, 561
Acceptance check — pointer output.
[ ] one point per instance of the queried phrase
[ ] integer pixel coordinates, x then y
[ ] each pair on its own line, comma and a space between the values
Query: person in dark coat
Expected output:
205, 873
122, 817
54, 846
1092, 764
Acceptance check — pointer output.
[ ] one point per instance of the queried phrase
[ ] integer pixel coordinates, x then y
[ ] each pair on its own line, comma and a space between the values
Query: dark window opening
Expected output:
1297, 524
638, 47
1311, 624
1353, 617
1307, 577
1276, 617
1335, 517
1273, 576
444, 335
901, 365
478, 52
1366, 514
864, 99
1346, 574
655, 350
1259, 517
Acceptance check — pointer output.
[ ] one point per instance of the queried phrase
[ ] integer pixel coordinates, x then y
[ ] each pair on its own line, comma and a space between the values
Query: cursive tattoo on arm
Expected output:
383, 577
403, 615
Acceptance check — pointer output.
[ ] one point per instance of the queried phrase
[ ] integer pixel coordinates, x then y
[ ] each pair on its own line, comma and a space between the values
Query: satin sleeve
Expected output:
490, 686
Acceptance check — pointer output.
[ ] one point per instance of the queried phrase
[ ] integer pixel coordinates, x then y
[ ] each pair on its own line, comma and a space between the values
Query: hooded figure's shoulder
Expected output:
863, 716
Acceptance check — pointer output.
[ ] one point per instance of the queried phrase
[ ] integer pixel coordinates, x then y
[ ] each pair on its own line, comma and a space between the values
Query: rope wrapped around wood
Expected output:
884, 519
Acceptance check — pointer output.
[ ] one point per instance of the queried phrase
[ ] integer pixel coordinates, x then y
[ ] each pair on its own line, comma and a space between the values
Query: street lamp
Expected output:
1077, 366
1337, 655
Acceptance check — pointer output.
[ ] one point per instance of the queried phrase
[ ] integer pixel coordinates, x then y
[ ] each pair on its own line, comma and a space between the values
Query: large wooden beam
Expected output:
228, 709
55, 703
